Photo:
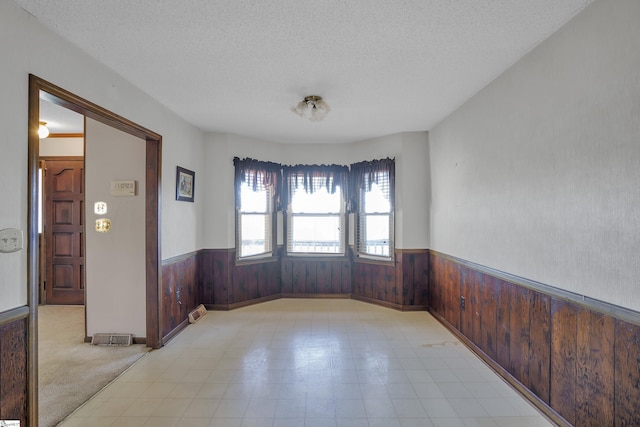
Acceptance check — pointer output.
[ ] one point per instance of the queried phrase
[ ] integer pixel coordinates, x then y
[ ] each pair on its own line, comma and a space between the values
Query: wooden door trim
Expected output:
59, 96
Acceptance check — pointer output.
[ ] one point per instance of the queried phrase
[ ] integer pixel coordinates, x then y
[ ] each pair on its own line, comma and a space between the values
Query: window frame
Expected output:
270, 235
311, 178
363, 177
257, 174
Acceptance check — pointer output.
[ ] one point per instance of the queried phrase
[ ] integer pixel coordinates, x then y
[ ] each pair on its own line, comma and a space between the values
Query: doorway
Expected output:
41, 89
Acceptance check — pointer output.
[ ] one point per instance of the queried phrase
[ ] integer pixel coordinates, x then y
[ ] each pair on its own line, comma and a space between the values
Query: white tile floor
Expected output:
310, 362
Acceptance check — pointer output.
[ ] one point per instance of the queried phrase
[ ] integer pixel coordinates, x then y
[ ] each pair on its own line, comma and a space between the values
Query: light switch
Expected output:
10, 240
100, 208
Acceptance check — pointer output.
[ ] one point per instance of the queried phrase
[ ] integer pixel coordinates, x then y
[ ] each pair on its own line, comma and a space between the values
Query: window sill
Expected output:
257, 260
389, 262
317, 257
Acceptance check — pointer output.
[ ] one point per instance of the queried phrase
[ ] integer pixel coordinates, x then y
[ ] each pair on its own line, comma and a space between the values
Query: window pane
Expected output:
316, 234
374, 200
254, 230
320, 201
253, 201
377, 235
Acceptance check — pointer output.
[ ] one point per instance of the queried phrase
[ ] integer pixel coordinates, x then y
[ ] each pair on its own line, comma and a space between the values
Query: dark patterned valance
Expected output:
282, 179
256, 173
364, 174
314, 177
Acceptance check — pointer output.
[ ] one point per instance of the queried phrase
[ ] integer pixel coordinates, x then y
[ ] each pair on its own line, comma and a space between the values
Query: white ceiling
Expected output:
238, 66
59, 119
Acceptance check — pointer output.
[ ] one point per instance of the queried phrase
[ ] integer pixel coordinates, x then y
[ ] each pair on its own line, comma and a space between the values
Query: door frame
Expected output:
59, 96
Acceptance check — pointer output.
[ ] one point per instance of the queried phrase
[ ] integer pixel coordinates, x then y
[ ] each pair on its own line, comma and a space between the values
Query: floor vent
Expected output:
196, 314
112, 339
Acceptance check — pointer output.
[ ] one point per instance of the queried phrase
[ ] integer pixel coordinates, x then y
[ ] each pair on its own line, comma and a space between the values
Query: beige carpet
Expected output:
71, 371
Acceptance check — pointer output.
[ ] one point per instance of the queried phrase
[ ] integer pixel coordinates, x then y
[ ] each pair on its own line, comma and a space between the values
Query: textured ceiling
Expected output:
238, 66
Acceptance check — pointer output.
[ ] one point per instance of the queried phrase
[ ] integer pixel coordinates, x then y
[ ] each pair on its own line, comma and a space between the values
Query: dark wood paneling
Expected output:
577, 361
311, 279
476, 306
403, 284
520, 299
594, 387
627, 374
466, 312
13, 371
336, 277
564, 348
489, 297
420, 279
401, 273
299, 277
452, 294
222, 276
287, 276
437, 284
180, 291
347, 284
323, 277
226, 284
382, 283
275, 278
539, 345
206, 277
503, 329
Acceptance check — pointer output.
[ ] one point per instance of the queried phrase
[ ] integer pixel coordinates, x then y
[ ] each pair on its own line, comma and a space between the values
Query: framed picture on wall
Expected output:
185, 184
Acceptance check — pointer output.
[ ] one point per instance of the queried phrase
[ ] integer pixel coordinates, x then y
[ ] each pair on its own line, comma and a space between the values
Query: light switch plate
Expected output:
100, 208
10, 240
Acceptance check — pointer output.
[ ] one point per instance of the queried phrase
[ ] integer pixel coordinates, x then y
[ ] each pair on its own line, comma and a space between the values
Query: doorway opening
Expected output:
61, 206
41, 89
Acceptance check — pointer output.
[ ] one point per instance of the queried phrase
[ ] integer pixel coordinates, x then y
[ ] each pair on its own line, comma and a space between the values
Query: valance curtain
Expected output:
364, 174
256, 174
314, 177
284, 179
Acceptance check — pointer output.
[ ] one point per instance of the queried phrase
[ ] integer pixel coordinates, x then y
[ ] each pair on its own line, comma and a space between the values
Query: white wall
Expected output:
13, 146
539, 174
27, 47
62, 147
115, 261
412, 173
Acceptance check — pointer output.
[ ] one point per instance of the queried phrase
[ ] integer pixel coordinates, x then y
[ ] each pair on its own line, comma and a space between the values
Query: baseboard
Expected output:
399, 307
175, 331
319, 296
387, 304
547, 411
235, 305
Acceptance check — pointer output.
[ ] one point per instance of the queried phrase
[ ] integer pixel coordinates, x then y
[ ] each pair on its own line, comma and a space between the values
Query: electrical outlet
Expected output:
100, 208
10, 240
462, 302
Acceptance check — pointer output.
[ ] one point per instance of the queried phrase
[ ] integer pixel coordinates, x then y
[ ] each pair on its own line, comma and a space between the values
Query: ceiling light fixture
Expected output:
43, 130
312, 107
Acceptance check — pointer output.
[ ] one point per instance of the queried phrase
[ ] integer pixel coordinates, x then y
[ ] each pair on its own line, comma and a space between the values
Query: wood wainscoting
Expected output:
316, 277
227, 285
181, 293
401, 285
577, 361
13, 365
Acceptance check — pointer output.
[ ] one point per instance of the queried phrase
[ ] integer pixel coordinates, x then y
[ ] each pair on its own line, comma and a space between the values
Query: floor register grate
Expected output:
112, 339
